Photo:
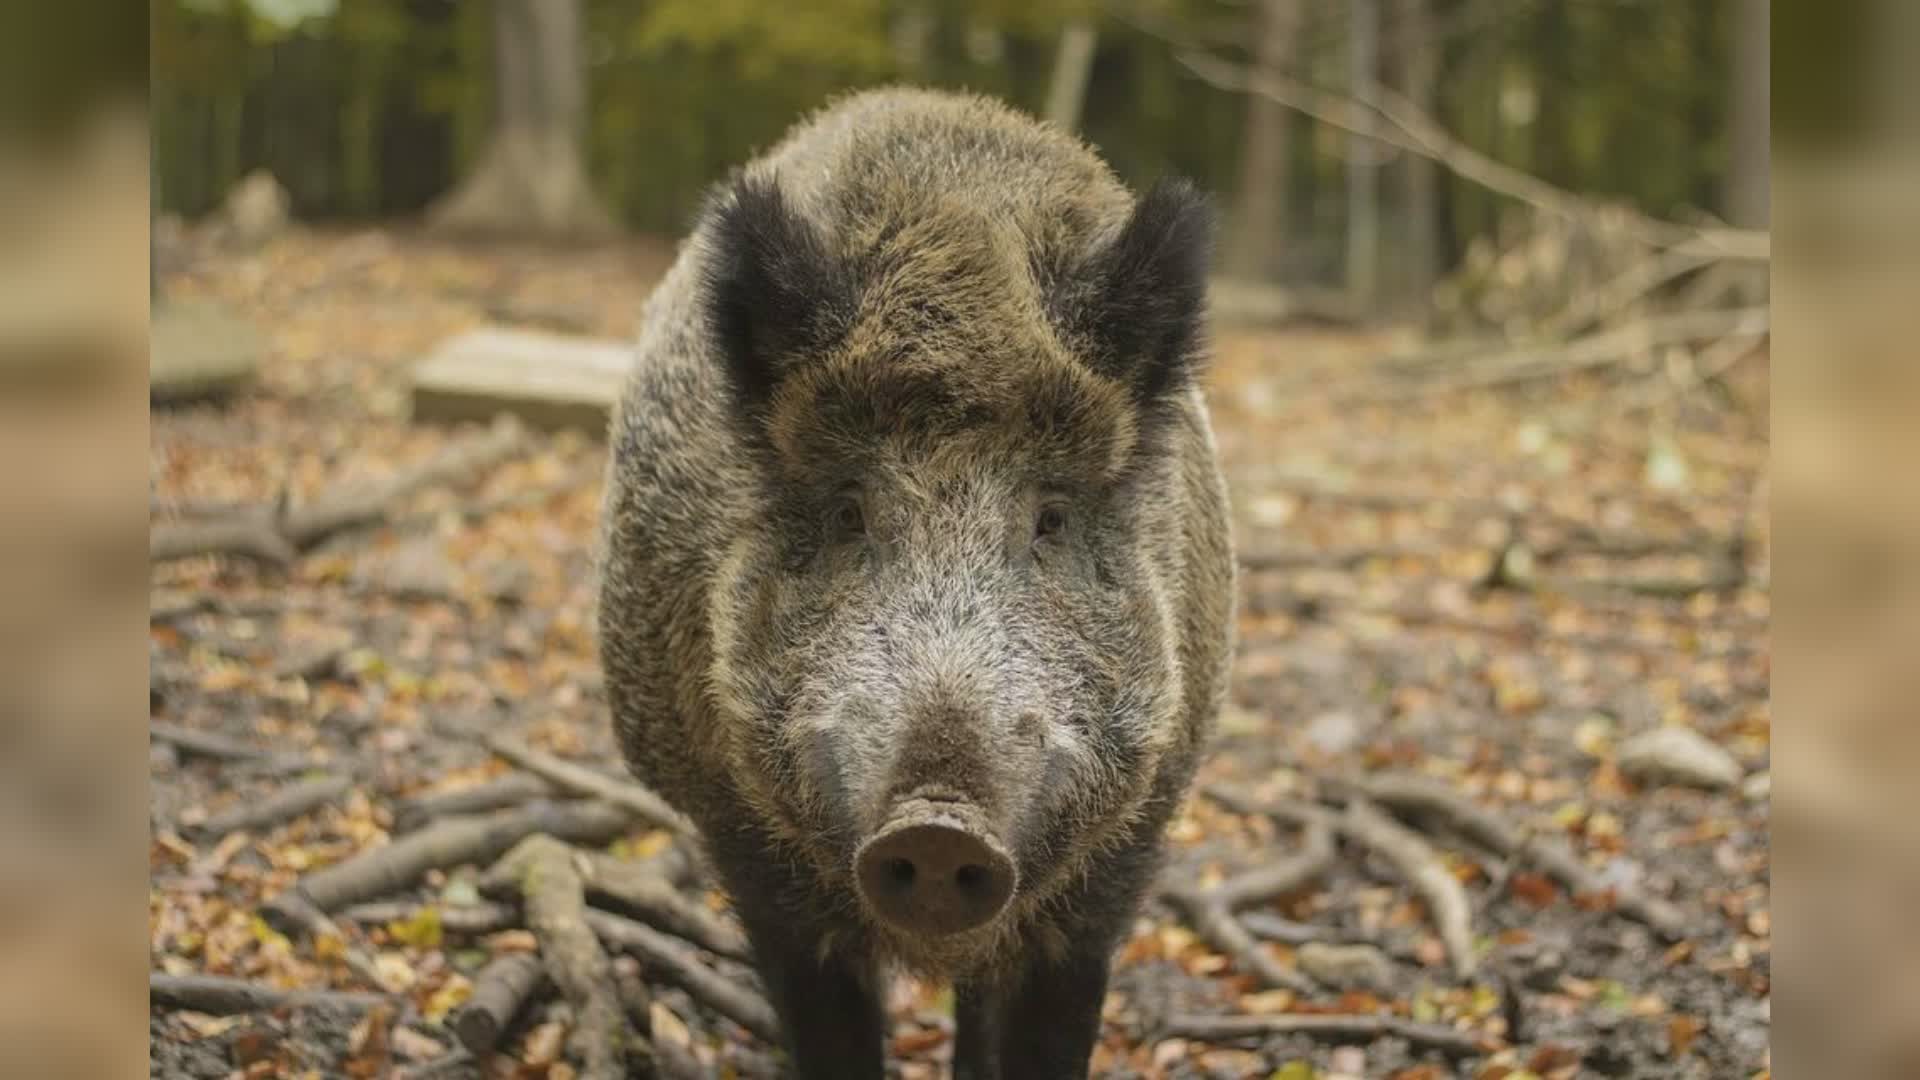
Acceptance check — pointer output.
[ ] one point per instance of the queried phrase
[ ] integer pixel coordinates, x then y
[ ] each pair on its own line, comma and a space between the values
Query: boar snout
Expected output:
935, 868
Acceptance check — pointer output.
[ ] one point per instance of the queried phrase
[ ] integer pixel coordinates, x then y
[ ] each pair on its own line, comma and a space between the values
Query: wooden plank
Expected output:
547, 380
200, 351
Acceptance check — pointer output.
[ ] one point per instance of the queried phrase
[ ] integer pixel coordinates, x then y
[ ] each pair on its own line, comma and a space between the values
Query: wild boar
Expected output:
917, 587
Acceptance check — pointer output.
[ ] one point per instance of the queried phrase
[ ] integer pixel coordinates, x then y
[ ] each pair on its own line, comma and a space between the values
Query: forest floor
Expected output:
1462, 611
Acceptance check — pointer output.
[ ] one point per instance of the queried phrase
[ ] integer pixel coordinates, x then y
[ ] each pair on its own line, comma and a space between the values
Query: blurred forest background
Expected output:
391, 109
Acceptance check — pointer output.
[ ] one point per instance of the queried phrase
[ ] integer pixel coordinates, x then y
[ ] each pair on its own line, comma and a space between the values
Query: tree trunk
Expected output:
1363, 174
1071, 67
1747, 179
532, 177
1419, 64
1265, 161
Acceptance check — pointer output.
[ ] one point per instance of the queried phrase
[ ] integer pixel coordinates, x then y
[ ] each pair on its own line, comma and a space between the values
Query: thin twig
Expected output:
1607, 347
1417, 796
220, 996
1412, 858
277, 533
1409, 128
581, 780
1329, 1027
667, 959
289, 802
379, 871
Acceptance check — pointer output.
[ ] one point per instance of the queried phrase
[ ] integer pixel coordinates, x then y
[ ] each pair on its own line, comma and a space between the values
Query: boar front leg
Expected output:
828, 1000
1042, 1027
829, 1006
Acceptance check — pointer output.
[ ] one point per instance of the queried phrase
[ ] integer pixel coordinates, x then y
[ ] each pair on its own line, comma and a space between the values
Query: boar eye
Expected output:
845, 519
1051, 521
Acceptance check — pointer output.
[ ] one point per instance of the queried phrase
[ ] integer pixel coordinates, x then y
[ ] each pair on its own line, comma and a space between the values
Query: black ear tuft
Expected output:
1146, 292
773, 291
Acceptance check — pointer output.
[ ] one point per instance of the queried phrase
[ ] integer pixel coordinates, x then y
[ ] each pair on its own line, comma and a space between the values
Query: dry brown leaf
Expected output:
918, 1041
542, 1045
1536, 890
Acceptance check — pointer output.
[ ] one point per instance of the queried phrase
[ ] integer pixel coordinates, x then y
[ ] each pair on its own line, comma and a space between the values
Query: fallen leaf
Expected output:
668, 1026
422, 931
1167, 1052
542, 1045
415, 1046
513, 941
1551, 1057
1537, 890
1681, 1032
1267, 1002
394, 971
918, 1041
450, 995
368, 1052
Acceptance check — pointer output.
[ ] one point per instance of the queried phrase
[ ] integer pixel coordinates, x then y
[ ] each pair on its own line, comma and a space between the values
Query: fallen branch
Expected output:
673, 1058
1211, 910
510, 790
321, 663
1338, 558
292, 913
581, 780
1416, 862
461, 1062
205, 743
219, 996
1420, 797
277, 533
1597, 306
1329, 1027
1725, 577
1411, 129
555, 901
1581, 354
248, 537
1270, 927
470, 919
1317, 606
639, 890
450, 842
1411, 857
283, 805
500, 991
666, 959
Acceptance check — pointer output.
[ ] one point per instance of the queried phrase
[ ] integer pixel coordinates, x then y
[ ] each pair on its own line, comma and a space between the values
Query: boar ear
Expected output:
1148, 292
772, 290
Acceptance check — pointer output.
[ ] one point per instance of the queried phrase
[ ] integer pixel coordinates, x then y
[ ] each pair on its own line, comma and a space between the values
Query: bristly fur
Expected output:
950, 315
774, 291
1139, 303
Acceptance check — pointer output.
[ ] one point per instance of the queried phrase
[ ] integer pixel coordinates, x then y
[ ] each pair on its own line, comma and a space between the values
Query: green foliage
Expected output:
267, 20
374, 107
764, 36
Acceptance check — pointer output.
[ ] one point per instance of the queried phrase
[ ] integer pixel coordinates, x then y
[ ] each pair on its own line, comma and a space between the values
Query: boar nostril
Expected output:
900, 871
970, 878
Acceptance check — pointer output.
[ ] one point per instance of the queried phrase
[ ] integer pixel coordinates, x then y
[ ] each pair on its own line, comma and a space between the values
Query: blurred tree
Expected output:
377, 108
1747, 172
532, 178
1363, 174
1260, 239
1070, 70
1417, 64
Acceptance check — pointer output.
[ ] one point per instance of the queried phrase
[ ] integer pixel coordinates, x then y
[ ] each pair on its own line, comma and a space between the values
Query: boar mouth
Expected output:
935, 868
